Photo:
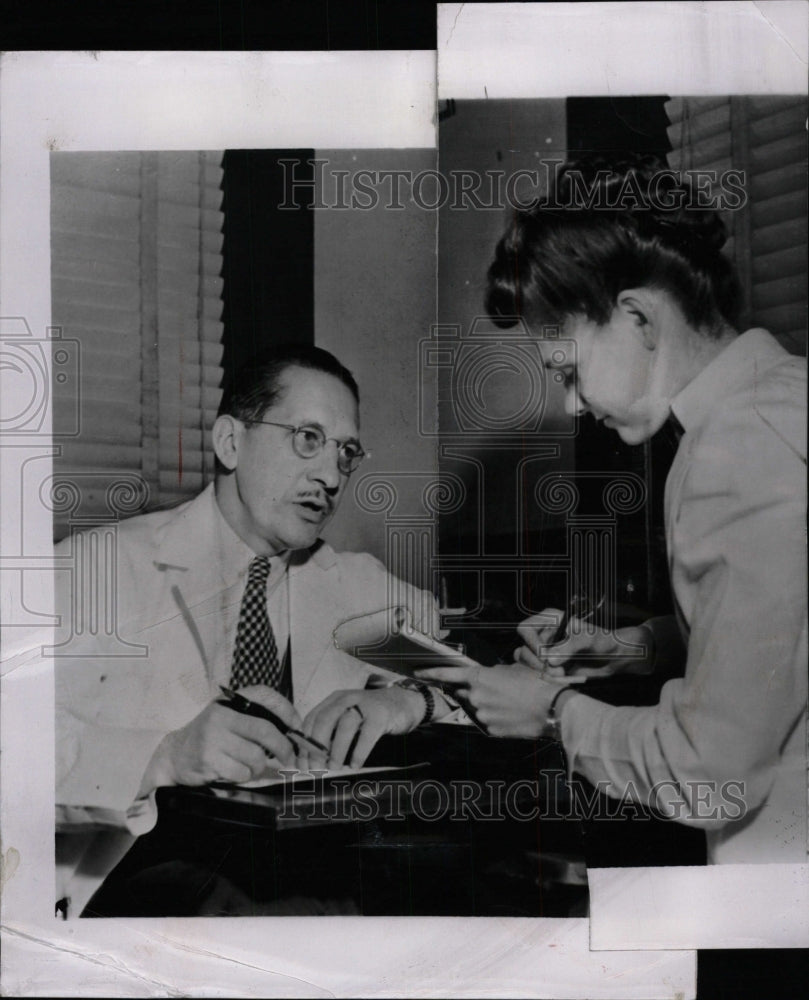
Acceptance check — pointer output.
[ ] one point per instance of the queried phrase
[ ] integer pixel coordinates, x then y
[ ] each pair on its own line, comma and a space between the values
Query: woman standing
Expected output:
627, 264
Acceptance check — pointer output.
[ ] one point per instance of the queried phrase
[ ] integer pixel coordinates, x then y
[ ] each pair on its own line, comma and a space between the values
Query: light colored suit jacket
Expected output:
736, 539
172, 593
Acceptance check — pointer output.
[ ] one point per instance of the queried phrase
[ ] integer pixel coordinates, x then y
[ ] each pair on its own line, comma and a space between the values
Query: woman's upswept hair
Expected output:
608, 225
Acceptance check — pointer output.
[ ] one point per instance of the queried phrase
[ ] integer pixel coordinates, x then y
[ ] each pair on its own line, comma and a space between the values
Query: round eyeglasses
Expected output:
309, 442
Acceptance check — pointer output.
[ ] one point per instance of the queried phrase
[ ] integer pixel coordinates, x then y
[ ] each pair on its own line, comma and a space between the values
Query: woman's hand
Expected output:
511, 700
361, 714
627, 650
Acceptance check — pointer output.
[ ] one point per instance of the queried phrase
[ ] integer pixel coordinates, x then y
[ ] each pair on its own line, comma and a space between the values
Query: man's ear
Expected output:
640, 306
226, 436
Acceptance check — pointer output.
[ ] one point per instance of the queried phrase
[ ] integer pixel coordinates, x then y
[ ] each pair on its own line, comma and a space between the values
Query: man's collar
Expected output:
201, 519
730, 368
321, 553
235, 555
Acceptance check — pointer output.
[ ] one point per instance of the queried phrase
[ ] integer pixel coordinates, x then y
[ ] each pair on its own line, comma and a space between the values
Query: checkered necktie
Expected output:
255, 658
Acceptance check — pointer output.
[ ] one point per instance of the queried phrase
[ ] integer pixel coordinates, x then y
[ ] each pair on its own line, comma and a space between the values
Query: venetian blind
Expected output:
766, 138
136, 244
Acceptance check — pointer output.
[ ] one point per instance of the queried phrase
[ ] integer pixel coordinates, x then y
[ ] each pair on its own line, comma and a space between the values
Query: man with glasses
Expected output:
234, 590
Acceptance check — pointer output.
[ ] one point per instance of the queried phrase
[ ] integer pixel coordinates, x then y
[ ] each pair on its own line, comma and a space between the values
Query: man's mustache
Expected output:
322, 500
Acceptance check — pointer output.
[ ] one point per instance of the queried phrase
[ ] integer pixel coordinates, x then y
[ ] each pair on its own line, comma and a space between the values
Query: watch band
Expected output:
553, 727
427, 694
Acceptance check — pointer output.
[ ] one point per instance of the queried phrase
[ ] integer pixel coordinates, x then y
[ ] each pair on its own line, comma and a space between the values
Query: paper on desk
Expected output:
278, 777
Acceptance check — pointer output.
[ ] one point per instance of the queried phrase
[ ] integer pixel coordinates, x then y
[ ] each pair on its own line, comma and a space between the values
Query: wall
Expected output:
375, 299
489, 542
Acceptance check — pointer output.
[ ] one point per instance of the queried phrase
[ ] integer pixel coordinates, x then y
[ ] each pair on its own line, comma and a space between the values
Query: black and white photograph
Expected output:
404, 485
632, 564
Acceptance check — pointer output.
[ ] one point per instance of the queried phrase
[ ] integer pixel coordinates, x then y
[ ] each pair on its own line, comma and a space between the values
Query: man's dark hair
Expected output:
256, 386
609, 225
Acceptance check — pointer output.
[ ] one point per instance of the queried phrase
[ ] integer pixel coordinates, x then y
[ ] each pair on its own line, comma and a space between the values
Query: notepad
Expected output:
388, 639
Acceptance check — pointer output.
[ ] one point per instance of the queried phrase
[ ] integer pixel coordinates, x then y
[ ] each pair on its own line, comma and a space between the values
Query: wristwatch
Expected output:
553, 724
425, 691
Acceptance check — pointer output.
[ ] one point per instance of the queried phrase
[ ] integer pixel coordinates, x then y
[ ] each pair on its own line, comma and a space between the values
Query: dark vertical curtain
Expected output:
268, 251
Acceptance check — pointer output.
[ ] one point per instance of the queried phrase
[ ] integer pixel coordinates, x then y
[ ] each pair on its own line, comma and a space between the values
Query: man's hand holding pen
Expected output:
221, 744
232, 738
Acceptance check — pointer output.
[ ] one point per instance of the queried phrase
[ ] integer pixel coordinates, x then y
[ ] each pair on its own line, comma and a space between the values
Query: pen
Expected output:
580, 605
561, 628
241, 704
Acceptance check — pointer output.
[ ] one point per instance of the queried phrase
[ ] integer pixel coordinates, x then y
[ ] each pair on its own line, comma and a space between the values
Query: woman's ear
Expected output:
226, 434
641, 306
